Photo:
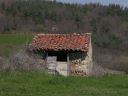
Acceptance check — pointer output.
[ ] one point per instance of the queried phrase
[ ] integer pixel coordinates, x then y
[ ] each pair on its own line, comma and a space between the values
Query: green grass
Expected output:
15, 39
12, 42
41, 84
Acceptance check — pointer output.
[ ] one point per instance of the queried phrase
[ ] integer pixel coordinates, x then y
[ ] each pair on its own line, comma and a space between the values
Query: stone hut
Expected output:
65, 54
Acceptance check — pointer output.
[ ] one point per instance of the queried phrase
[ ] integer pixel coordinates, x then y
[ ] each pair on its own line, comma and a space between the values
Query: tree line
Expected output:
109, 24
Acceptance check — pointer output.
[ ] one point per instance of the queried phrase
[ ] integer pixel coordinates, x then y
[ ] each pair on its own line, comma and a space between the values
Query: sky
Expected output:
123, 3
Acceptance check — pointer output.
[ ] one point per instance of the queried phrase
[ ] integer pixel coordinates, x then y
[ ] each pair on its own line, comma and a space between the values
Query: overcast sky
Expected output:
104, 2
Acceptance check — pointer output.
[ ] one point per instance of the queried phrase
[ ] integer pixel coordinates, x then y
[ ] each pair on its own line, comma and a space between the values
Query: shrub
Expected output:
3, 64
107, 40
40, 28
24, 61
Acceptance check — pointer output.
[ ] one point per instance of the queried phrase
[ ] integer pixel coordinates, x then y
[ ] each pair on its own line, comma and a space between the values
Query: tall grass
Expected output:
42, 84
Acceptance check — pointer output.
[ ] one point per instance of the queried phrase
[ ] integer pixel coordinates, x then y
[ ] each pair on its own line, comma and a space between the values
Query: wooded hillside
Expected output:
109, 24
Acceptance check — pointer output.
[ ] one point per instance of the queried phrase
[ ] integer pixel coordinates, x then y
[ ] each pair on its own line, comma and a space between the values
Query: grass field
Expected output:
41, 84
13, 42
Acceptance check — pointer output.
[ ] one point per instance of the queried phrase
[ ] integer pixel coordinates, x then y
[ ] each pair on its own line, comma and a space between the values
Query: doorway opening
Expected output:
61, 56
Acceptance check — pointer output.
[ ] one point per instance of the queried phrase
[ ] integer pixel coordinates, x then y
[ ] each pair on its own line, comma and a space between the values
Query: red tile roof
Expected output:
59, 42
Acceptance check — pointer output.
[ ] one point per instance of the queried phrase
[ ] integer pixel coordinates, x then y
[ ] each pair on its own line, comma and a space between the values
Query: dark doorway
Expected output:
61, 56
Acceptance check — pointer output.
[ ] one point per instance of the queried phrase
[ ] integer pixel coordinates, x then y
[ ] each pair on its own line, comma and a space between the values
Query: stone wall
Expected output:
79, 64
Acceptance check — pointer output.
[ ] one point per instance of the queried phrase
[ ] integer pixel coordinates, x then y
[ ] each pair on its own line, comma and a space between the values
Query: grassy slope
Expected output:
40, 84
11, 42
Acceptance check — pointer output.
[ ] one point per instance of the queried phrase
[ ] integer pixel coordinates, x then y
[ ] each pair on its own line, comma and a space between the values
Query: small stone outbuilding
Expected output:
65, 54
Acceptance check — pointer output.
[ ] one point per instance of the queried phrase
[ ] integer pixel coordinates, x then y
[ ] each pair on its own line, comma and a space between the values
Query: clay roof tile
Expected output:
76, 42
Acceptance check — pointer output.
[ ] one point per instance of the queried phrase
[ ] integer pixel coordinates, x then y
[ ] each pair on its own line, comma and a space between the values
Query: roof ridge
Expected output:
63, 34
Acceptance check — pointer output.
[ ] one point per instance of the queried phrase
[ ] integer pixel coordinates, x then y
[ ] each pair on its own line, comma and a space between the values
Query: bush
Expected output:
111, 59
40, 28
98, 70
22, 60
3, 64
107, 40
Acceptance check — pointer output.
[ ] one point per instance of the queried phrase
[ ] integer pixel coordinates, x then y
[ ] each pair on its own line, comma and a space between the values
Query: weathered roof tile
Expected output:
57, 42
